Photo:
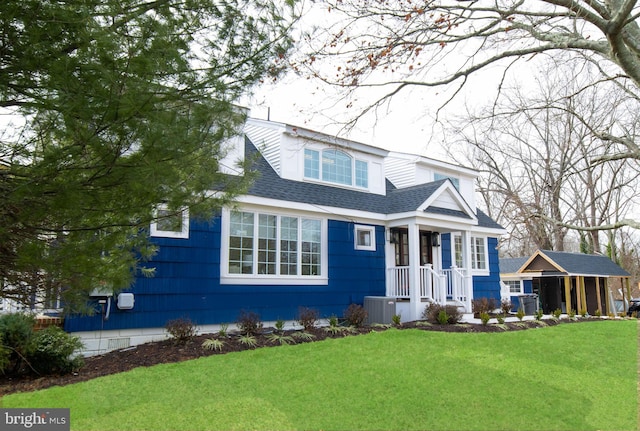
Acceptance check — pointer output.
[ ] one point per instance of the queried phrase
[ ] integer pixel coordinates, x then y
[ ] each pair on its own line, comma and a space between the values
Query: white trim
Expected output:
182, 234
372, 237
479, 271
271, 279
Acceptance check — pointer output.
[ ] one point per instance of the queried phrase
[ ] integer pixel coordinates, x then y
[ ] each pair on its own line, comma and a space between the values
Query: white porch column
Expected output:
414, 270
466, 263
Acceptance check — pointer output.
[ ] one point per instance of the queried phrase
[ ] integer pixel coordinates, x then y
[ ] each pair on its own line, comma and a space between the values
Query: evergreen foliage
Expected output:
112, 107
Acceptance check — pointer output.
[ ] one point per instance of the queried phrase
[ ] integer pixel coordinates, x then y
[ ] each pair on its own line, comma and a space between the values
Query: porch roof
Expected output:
564, 263
270, 185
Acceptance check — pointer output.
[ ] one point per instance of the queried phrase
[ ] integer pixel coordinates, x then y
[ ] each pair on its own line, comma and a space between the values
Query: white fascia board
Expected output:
449, 223
488, 230
324, 138
457, 197
429, 162
327, 211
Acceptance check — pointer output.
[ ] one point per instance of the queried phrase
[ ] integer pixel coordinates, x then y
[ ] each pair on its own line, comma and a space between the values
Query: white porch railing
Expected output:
439, 286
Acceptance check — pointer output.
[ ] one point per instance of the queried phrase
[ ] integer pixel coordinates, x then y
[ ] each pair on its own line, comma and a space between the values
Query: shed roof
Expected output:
559, 262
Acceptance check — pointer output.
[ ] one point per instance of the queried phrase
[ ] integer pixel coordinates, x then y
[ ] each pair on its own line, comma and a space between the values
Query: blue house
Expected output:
327, 222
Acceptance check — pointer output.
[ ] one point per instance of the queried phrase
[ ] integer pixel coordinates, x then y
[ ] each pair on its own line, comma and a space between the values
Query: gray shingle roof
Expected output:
587, 264
270, 185
511, 265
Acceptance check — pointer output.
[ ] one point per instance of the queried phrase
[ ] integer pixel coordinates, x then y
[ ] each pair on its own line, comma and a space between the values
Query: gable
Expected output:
541, 264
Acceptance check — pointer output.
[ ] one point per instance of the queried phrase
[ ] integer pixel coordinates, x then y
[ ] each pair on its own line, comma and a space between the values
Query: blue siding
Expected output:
489, 286
186, 284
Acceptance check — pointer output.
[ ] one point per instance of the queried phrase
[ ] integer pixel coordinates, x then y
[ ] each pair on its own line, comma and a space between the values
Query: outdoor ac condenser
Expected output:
380, 309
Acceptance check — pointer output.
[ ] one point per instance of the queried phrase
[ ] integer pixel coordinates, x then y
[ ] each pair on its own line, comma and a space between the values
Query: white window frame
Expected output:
320, 177
472, 255
182, 234
254, 278
520, 286
371, 230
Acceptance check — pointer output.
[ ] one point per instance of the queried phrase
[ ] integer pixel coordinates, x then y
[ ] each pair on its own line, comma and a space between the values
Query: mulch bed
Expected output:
168, 351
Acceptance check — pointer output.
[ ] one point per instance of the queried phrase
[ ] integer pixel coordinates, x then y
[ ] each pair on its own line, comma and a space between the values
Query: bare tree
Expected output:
547, 177
387, 47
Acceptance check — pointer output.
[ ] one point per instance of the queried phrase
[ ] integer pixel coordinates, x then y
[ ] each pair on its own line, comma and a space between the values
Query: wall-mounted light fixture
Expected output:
435, 239
394, 236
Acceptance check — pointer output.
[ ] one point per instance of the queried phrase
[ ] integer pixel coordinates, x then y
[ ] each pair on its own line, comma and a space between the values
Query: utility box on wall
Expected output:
380, 309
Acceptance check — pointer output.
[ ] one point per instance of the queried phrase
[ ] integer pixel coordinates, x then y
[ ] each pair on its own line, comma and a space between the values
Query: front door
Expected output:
402, 247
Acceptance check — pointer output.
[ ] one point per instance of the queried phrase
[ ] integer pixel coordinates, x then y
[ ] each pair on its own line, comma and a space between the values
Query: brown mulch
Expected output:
168, 351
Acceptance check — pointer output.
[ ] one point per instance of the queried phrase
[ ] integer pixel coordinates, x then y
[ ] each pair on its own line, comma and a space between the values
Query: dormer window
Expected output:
335, 166
456, 182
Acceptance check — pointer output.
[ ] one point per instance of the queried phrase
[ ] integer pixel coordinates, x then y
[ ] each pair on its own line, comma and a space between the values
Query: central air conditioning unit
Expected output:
380, 309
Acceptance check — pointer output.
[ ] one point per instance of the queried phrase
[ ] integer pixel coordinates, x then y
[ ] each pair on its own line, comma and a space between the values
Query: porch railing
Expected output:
440, 286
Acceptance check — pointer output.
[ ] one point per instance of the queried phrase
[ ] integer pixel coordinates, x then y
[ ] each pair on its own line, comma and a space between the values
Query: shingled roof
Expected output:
567, 263
270, 185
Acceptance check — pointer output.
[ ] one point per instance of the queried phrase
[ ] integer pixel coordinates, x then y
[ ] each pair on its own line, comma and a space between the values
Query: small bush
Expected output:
396, 320
539, 314
500, 318
308, 317
213, 344
181, 330
505, 306
248, 340
53, 351
355, 315
598, 313
484, 318
520, 313
279, 338
436, 313
484, 305
249, 323
16, 333
279, 325
223, 331
557, 313
333, 321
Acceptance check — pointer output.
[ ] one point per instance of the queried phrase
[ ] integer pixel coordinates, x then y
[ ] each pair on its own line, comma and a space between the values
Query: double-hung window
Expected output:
478, 253
335, 166
273, 246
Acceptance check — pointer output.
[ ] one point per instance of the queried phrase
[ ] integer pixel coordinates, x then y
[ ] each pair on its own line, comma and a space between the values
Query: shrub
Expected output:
53, 351
307, 317
484, 305
557, 312
249, 323
333, 320
181, 330
506, 305
213, 344
598, 313
248, 340
484, 317
396, 320
436, 313
539, 314
355, 315
500, 318
223, 331
520, 313
16, 332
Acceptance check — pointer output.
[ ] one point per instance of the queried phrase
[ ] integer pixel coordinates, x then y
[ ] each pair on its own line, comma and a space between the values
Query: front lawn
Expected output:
567, 377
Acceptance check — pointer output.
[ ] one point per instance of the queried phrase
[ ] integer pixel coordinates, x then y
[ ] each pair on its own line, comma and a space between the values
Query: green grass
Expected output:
567, 377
